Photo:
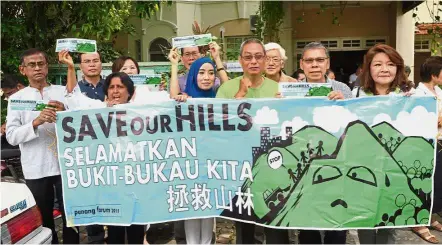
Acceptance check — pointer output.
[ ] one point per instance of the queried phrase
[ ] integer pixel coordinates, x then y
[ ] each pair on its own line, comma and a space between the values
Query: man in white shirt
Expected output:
353, 79
34, 132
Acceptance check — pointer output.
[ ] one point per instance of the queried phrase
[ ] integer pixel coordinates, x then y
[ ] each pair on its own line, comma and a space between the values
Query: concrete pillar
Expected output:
286, 37
405, 36
187, 12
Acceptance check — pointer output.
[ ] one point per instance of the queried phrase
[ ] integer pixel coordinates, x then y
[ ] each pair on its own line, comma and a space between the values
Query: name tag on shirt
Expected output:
300, 89
27, 105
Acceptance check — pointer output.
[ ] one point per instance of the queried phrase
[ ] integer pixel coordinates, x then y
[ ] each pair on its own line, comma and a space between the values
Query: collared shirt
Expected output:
423, 90
337, 86
359, 92
38, 146
182, 81
267, 89
91, 91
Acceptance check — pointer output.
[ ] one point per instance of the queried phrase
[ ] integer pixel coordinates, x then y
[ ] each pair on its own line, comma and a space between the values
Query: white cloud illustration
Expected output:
332, 118
419, 122
296, 123
266, 115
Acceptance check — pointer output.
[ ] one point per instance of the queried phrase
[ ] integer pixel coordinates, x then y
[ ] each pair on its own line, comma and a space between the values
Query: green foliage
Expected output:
4, 106
107, 52
271, 15
433, 30
37, 24
232, 54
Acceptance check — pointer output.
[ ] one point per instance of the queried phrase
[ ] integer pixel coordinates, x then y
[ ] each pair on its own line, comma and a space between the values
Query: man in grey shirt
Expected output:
315, 61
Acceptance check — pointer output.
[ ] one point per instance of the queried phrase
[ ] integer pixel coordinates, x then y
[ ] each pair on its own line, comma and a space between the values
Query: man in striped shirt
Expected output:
315, 61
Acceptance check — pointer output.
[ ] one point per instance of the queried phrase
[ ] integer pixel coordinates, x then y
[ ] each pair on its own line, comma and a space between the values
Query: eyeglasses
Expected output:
193, 54
319, 60
33, 65
274, 59
258, 57
95, 61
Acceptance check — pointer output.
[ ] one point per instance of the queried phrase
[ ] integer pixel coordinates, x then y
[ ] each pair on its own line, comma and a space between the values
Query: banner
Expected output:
283, 163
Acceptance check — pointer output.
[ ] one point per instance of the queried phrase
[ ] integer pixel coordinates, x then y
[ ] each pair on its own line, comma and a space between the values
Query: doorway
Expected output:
348, 61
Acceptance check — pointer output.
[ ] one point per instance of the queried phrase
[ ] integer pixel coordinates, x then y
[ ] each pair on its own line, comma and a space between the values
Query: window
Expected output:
351, 43
302, 44
422, 45
233, 44
138, 50
159, 49
371, 42
330, 43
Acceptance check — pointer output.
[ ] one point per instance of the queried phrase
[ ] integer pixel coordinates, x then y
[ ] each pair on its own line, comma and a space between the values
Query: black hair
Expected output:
329, 71
295, 74
119, 63
125, 79
431, 67
81, 54
11, 81
30, 52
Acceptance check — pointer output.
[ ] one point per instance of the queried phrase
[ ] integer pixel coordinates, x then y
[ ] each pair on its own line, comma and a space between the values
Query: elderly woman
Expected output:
275, 58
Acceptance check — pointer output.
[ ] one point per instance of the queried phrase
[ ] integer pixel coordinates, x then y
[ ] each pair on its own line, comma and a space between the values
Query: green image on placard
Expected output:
85, 47
203, 40
319, 91
369, 177
153, 80
40, 106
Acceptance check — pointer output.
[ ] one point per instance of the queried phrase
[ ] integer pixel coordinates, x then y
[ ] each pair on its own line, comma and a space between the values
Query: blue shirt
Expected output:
90, 91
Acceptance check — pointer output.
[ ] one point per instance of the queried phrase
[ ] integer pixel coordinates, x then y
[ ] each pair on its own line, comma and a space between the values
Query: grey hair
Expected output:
315, 45
251, 40
275, 46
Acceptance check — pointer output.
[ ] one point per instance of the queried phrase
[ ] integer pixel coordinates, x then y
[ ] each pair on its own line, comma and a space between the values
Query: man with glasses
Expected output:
92, 84
190, 54
92, 87
252, 85
34, 132
315, 62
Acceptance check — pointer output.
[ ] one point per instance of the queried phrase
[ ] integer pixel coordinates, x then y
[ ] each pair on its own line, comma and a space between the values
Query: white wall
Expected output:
423, 13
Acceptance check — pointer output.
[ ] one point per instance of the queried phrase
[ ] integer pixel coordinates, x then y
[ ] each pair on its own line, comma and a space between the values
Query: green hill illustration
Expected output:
319, 91
271, 184
416, 157
85, 47
306, 141
153, 80
360, 167
388, 135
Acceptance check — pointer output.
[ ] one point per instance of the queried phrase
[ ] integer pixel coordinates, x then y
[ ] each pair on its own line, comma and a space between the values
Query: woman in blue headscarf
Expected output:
200, 84
200, 81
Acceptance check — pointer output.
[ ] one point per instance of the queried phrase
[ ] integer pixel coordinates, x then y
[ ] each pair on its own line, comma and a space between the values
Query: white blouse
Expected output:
423, 90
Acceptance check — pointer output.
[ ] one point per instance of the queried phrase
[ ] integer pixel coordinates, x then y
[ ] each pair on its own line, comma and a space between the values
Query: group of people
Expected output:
383, 73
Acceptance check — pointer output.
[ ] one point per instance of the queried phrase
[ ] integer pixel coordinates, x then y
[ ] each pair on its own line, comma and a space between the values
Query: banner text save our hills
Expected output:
118, 124
293, 162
